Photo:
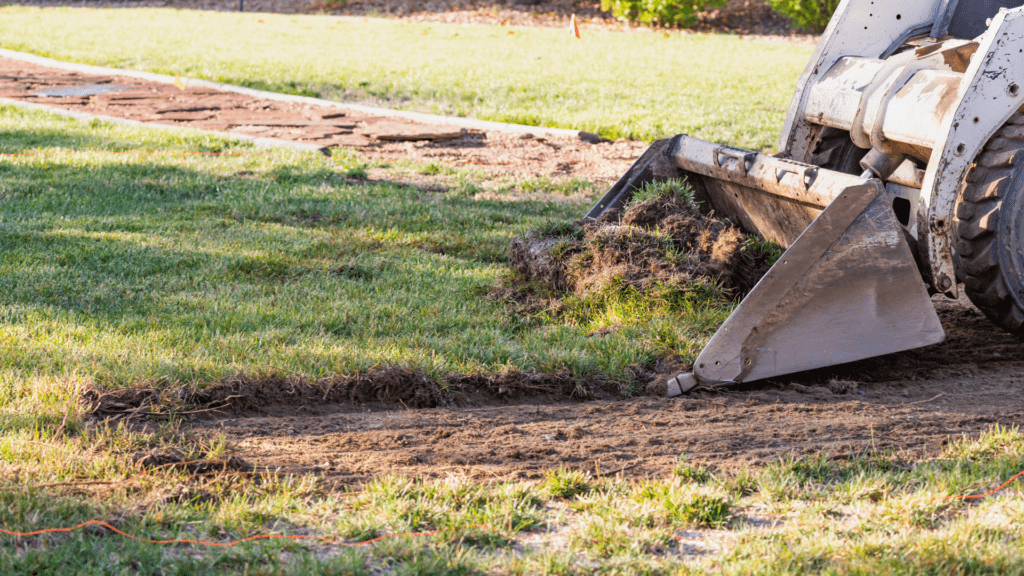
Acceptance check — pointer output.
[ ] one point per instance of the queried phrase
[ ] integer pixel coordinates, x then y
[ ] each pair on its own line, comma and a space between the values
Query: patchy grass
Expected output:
873, 512
676, 190
185, 269
566, 483
190, 269
617, 84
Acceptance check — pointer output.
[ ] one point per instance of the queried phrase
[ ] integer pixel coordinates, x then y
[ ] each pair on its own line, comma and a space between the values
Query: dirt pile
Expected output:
380, 389
664, 241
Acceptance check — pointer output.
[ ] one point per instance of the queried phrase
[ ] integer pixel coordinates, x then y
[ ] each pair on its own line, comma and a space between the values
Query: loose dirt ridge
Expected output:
517, 426
911, 402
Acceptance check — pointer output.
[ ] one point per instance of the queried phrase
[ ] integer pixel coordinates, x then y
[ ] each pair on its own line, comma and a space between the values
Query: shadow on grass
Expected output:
146, 268
50, 137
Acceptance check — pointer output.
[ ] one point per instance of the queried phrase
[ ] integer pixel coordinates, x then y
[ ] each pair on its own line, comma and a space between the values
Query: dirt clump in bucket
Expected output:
662, 239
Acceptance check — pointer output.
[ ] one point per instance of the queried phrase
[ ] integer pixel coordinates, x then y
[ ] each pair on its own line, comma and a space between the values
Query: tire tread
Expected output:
977, 223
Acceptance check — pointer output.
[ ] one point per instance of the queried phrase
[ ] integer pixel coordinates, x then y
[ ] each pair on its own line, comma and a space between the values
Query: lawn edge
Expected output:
470, 123
86, 116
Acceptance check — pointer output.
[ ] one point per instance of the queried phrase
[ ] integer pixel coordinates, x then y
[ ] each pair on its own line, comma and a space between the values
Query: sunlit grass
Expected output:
618, 84
123, 269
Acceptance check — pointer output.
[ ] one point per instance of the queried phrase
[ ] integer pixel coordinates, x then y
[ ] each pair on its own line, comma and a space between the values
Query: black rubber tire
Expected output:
834, 150
989, 229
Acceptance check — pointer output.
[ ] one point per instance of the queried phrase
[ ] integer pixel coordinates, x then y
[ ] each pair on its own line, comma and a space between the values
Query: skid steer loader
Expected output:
900, 174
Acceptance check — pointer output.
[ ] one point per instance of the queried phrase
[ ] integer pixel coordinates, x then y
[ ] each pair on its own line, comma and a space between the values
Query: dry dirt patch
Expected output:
495, 154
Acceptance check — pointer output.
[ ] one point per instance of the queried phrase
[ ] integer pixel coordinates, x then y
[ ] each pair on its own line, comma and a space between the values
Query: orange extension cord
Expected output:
132, 153
225, 544
355, 544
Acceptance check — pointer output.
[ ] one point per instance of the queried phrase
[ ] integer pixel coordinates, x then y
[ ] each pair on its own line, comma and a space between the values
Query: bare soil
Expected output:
496, 154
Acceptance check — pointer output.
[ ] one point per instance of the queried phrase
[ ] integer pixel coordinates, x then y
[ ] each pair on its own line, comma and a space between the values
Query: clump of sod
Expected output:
662, 247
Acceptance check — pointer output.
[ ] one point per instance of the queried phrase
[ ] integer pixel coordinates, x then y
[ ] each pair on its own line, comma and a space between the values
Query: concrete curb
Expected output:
261, 142
470, 123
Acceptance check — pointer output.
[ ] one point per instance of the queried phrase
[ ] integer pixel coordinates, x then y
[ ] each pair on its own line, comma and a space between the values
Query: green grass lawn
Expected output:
184, 268
637, 85
209, 259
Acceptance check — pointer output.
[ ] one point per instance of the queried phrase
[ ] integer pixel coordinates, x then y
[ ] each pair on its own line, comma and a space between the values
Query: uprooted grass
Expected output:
665, 266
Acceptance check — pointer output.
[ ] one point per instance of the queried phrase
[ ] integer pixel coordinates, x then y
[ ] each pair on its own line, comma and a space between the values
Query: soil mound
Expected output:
658, 242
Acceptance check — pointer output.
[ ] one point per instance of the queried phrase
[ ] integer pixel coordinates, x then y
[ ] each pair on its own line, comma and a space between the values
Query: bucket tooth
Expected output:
847, 289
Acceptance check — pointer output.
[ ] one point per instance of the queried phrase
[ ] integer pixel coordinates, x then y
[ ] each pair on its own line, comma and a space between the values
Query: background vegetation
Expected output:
811, 15
660, 12
806, 15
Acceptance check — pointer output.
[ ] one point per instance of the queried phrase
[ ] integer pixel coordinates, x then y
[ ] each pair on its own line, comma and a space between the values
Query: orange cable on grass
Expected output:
349, 544
989, 493
234, 542
133, 153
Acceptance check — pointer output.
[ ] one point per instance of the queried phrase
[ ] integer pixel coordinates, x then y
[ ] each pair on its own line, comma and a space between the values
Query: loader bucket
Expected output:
847, 288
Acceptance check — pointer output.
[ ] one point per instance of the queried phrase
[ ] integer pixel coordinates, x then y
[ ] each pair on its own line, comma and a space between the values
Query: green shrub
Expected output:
811, 15
660, 12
